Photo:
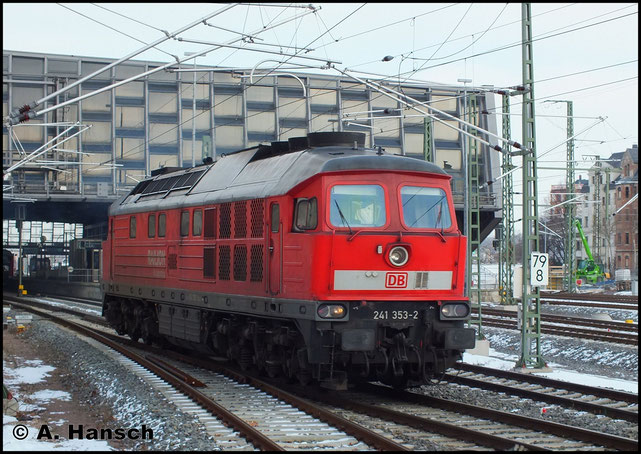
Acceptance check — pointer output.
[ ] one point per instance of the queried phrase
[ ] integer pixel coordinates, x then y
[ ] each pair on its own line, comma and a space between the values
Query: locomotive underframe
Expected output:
399, 343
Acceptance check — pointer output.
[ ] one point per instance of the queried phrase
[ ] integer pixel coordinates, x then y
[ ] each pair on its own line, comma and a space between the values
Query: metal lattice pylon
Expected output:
506, 244
570, 209
473, 226
531, 305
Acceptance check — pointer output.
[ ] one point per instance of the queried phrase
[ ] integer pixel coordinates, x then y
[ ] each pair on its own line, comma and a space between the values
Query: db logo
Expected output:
396, 280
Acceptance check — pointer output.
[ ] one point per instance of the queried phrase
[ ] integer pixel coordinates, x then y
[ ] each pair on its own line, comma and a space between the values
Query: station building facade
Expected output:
177, 117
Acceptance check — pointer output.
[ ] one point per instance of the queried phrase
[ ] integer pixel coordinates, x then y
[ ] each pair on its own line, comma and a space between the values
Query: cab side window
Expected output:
305, 214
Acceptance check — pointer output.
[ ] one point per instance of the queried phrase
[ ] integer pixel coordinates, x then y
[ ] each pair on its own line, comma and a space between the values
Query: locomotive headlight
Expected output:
455, 310
331, 311
398, 256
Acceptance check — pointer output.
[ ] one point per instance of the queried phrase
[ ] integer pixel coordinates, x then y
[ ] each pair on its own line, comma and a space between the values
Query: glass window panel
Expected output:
413, 116
288, 81
292, 107
445, 103
129, 149
184, 223
126, 71
354, 107
134, 89
71, 144
132, 227
151, 226
380, 100
286, 133
228, 105
387, 127
67, 113
62, 66
357, 205
323, 123
99, 132
262, 94
319, 96
414, 144
30, 132
98, 102
202, 119
202, 90
96, 164
28, 65
25, 95
130, 117
197, 152
164, 160
160, 133
229, 136
425, 208
450, 157
443, 132
223, 78
198, 223
161, 75
163, 102
162, 224
88, 68
5, 109
261, 122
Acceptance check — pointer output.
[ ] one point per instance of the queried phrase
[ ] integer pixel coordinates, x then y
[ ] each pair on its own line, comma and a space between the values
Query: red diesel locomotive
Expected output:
315, 258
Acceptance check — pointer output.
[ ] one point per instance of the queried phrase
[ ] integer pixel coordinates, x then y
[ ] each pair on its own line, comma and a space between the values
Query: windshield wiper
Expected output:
340, 213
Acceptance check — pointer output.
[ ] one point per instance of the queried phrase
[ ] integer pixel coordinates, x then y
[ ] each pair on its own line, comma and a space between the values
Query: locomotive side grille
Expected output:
240, 262
209, 227
209, 262
224, 259
256, 263
240, 219
225, 220
257, 218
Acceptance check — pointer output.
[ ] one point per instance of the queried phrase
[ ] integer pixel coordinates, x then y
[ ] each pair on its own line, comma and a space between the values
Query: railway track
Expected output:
463, 426
412, 419
560, 325
603, 297
606, 402
256, 418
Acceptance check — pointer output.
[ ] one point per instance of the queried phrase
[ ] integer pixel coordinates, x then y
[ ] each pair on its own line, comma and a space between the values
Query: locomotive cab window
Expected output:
425, 208
357, 205
184, 223
132, 227
151, 226
306, 214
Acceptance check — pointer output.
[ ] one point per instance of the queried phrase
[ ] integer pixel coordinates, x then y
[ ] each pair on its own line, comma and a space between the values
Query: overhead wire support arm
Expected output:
32, 114
24, 113
382, 89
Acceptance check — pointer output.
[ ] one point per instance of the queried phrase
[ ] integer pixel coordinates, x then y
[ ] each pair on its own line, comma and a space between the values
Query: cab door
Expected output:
275, 249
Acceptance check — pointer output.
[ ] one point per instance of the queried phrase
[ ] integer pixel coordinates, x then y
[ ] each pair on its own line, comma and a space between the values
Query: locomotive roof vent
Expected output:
336, 139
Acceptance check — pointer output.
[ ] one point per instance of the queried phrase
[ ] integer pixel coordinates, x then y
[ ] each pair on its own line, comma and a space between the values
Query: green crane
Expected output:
588, 269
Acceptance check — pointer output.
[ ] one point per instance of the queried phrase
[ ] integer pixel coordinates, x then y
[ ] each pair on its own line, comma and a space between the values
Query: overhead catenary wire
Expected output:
32, 114
26, 112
